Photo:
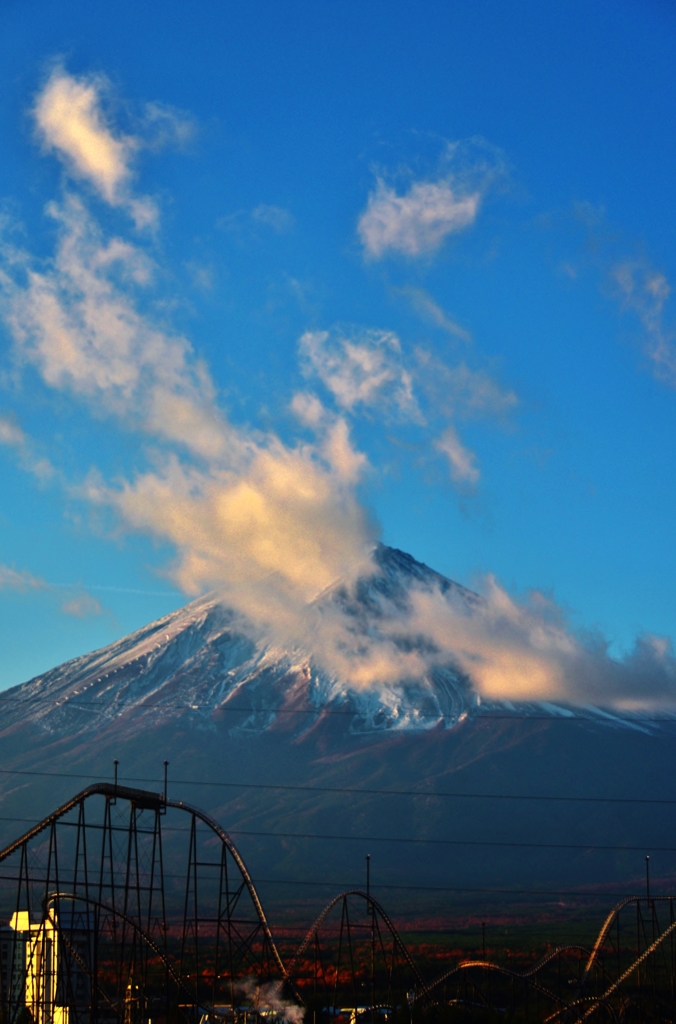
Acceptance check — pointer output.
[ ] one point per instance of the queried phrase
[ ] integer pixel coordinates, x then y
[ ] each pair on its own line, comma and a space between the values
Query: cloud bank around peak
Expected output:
510, 649
526, 650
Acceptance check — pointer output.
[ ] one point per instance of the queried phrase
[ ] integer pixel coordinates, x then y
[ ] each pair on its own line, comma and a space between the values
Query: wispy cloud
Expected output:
77, 602
248, 508
82, 606
265, 216
165, 126
462, 462
416, 222
360, 367
429, 310
630, 278
366, 371
16, 579
275, 217
270, 524
526, 650
71, 122
415, 219
645, 291
457, 390
14, 437
76, 321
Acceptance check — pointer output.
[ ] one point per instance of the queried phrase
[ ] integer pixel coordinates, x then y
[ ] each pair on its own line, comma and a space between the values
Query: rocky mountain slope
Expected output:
309, 773
202, 662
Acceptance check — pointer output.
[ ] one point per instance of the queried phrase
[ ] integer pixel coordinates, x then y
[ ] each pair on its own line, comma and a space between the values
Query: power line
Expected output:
328, 837
342, 886
453, 842
453, 888
563, 715
365, 791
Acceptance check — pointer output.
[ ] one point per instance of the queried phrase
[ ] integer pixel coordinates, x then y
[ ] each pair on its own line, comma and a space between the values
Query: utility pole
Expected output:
373, 937
647, 875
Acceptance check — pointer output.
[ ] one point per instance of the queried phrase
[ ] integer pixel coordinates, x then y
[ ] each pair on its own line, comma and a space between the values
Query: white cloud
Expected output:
366, 370
14, 437
79, 603
416, 222
458, 390
81, 606
270, 536
510, 649
645, 291
164, 125
308, 409
269, 524
525, 650
71, 122
360, 367
460, 459
15, 579
428, 309
275, 217
76, 321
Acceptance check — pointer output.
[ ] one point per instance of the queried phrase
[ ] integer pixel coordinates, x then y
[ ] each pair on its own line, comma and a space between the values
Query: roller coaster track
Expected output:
65, 896
487, 965
579, 1001
610, 921
524, 975
145, 799
383, 914
55, 897
155, 801
596, 988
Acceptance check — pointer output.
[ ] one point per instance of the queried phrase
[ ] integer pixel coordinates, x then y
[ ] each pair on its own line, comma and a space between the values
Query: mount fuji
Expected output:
202, 663
311, 772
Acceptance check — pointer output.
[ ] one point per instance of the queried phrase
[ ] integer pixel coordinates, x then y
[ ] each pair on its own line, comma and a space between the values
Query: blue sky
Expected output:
416, 257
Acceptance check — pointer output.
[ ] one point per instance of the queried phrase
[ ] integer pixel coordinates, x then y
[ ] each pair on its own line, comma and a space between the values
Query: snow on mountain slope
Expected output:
203, 662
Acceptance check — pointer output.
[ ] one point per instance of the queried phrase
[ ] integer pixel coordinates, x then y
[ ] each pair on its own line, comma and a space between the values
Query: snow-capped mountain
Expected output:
273, 744
203, 661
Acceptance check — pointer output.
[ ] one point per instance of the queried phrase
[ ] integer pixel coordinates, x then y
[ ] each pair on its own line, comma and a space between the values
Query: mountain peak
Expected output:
205, 661
208, 665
